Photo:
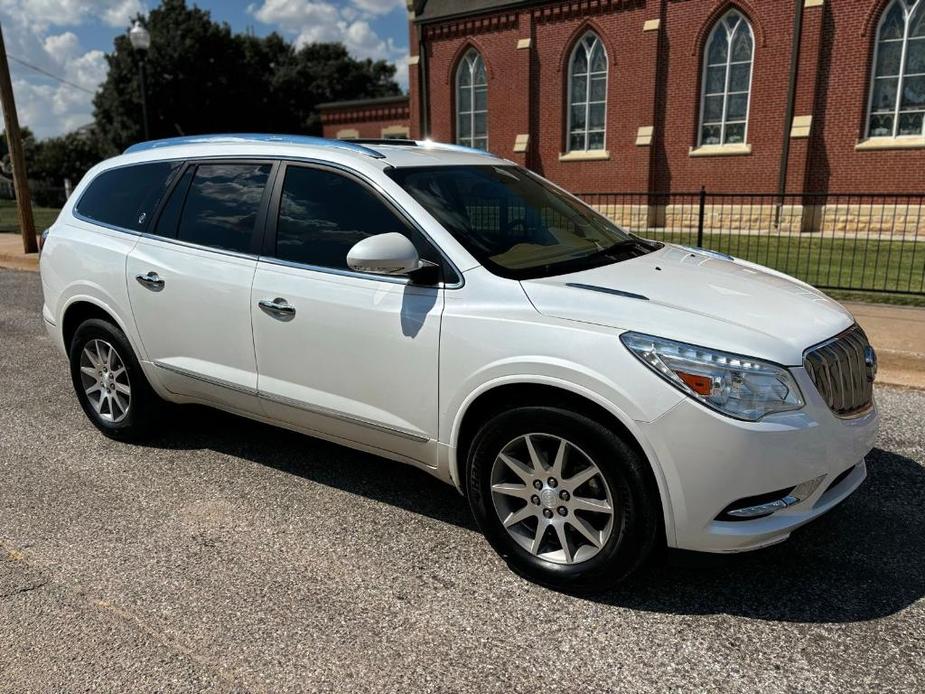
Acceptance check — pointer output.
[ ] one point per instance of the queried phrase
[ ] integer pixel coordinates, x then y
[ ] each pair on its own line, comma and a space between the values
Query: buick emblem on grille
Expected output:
870, 361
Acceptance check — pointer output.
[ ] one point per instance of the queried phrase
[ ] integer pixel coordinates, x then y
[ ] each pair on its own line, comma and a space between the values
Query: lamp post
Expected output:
140, 39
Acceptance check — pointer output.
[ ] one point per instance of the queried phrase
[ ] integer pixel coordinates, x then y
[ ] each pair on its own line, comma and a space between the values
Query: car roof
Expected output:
398, 153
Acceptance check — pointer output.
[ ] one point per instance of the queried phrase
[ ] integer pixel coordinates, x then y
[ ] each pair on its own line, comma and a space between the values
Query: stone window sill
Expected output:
736, 150
582, 155
881, 143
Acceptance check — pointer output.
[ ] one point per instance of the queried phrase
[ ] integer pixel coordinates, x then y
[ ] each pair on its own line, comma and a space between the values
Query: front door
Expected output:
189, 283
348, 355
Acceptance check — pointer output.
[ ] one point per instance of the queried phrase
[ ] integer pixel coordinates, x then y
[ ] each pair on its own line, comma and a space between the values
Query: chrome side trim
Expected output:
221, 383
606, 290
290, 402
199, 247
352, 273
94, 222
350, 419
334, 271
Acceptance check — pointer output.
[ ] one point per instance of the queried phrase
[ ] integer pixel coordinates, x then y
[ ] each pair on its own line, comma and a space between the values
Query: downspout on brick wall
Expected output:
791, 98
424, 92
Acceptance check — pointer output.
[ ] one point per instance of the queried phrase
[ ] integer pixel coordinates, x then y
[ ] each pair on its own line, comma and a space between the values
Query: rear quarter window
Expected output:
126, 197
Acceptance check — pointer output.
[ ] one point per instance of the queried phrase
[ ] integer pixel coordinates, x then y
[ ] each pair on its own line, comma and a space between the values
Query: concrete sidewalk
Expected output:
12, 256
897, 332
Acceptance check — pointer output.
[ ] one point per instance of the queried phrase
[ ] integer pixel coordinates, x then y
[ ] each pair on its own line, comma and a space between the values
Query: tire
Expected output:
120, 415
621, 482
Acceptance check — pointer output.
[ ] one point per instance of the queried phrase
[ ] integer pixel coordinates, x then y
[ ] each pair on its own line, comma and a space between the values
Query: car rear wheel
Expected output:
564, 500
109, 382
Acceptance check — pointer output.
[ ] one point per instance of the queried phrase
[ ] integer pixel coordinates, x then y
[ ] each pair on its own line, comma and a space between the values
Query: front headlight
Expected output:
741, 387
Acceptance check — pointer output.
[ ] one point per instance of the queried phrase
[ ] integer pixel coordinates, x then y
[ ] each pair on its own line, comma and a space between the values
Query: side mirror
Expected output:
385, 254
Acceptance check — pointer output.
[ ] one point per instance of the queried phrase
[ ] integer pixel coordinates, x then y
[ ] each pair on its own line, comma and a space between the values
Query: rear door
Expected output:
354, 355
189, 281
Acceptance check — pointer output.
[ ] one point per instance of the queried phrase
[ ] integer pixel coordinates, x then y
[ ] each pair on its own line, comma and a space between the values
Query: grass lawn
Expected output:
44, 216
859, 263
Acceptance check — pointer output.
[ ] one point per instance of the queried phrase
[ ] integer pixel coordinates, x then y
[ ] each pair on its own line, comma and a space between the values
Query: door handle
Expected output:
151, 281
278, 308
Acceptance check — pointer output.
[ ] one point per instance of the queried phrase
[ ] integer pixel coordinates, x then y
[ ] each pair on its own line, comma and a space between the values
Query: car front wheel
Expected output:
562, 498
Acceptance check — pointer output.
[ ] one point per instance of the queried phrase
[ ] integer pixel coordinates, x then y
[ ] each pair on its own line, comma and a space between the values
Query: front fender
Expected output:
572, 384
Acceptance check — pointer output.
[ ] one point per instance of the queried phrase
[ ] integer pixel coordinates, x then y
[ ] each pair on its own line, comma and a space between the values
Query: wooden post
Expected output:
14, 139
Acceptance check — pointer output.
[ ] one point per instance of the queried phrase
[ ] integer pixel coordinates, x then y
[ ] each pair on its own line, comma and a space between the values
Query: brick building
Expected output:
386, 117
823, 96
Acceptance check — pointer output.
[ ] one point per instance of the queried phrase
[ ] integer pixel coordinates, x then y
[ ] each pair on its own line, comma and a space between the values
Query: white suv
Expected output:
593, 394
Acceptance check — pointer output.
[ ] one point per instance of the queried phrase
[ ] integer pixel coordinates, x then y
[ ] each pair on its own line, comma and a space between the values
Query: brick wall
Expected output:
654, 82
373, 118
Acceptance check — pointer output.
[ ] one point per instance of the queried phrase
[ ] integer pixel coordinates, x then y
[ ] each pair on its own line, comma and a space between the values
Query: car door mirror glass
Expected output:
385, 254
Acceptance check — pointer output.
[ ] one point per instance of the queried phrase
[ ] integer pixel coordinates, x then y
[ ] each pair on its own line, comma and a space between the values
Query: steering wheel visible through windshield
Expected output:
515, 223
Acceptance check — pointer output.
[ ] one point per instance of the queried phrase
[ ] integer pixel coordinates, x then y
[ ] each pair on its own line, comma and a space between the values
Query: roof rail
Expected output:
430, 144
392, 141
423, 144
254, 137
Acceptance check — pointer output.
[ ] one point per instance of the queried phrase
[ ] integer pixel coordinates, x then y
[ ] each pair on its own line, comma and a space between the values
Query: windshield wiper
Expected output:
613, 251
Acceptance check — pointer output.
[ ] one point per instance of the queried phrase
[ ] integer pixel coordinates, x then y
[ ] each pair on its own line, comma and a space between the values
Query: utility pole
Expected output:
14, 140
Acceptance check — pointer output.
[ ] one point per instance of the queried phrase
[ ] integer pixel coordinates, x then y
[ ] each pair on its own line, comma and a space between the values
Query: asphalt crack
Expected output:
24, 589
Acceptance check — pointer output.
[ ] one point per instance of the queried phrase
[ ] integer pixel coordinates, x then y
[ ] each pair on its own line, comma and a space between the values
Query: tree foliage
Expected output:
201, 77
51, 161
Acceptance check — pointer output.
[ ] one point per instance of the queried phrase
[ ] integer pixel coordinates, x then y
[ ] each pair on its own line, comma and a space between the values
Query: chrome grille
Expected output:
843, 371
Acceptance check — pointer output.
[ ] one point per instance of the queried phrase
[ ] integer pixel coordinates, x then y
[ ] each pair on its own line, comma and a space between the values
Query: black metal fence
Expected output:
858, 241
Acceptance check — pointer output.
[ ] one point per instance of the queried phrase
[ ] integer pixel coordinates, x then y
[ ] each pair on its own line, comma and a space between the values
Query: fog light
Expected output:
752, 507
763, 509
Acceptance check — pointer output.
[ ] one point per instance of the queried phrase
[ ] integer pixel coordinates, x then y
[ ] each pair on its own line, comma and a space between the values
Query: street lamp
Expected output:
140, 39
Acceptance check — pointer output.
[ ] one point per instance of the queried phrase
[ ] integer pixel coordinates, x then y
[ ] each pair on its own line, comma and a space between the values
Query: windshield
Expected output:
515, 223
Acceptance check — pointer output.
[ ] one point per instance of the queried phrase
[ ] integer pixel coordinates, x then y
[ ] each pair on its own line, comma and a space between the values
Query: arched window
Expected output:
897, 91
727, 80
587, 94
472, 101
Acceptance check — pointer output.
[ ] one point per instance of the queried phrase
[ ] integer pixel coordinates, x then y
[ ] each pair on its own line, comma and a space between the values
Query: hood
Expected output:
699, 297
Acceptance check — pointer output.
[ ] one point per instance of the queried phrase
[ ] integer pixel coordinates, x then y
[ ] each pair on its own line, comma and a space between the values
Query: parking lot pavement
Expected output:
231, 556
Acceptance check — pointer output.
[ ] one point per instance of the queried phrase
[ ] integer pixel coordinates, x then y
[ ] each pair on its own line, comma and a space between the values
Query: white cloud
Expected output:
120, 12
310, 21
40, 14
379, 6
46, 106
62, 47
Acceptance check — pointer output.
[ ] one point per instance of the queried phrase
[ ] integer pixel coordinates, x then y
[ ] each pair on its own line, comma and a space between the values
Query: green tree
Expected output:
69, 156
201, 77
29, 146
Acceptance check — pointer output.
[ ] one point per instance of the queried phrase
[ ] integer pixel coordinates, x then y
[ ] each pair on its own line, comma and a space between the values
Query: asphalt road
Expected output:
236, 557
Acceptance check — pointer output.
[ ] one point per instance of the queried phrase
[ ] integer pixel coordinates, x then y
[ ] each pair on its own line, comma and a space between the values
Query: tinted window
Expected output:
127, 196
323, 214
170, 215
222, 204
517, 224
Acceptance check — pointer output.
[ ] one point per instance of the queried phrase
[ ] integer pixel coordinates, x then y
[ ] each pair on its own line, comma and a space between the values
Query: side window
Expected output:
170, 215
323, 214
125, 197
222, 204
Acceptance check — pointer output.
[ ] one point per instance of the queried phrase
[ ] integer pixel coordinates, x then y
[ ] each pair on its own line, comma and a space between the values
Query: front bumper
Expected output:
710, 461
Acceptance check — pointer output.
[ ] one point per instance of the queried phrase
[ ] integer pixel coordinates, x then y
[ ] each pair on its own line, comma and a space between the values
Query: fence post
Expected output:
703, 204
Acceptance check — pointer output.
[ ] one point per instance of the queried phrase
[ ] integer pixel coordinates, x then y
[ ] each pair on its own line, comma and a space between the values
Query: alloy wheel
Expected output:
552, 499
105, 381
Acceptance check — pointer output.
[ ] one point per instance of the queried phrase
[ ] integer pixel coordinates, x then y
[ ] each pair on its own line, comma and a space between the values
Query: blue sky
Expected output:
69, 38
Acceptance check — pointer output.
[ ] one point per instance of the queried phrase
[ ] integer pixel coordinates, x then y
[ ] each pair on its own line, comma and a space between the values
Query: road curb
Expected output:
20, 261
899, 368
